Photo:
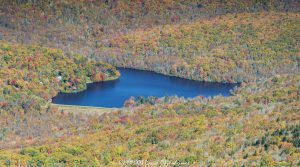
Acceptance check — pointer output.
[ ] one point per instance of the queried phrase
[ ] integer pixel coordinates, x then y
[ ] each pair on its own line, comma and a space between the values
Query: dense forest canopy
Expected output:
228, 48
40, 73
245, 39
51, 46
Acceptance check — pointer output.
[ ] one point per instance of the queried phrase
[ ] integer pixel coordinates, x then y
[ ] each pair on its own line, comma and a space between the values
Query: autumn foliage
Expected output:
253, 42
31, 75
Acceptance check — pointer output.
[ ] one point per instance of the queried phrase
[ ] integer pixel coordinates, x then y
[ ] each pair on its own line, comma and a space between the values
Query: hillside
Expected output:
258, 126
30, 76
52, 46
245, 40
228, 48
40, 73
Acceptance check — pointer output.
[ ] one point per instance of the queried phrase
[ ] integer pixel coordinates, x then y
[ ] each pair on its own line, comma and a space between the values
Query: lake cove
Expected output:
140, 83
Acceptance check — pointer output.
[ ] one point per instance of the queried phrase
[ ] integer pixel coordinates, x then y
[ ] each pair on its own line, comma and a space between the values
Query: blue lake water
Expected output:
140, 83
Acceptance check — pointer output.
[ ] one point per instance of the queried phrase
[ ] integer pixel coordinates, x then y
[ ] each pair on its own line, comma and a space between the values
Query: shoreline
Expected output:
176, 76
67, 105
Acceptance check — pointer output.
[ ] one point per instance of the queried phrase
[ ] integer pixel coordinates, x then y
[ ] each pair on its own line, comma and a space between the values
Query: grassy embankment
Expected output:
84, 109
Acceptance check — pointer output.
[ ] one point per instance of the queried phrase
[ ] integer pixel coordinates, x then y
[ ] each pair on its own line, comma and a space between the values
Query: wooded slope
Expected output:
223, 41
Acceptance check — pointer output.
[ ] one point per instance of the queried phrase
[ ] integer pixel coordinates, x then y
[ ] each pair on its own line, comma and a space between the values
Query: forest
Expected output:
59, 46
224, 41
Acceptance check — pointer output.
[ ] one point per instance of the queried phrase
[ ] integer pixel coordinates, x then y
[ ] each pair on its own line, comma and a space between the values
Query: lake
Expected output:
140, 83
